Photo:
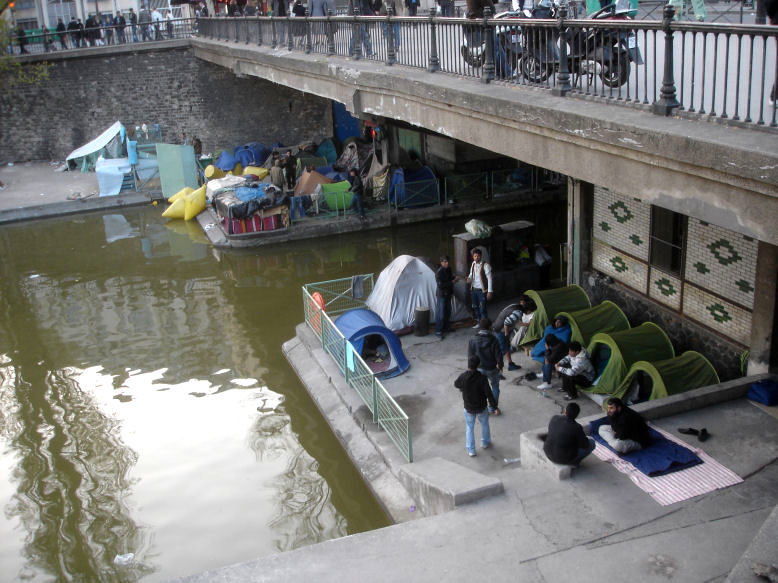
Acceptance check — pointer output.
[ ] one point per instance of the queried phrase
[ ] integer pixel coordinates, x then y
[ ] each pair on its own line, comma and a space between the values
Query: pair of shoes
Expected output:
486, 445
476, 326
704, 435
544, 386
513, 366
471, 453
688, 431
571, 397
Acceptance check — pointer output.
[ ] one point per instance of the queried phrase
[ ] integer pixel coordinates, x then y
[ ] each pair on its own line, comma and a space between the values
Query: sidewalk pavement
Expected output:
597, 526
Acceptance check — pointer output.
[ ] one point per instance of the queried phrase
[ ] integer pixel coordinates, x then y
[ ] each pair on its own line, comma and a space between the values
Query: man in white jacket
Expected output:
575, 369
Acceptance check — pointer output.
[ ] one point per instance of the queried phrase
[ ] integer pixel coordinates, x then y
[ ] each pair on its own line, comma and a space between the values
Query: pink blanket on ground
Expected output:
682, 485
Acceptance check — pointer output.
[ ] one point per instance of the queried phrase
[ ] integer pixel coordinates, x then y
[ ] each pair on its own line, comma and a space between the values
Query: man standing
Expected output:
476, 395
156, 19
21, 38
626, 430
73, 31
121, 24
144, 20
484, 345
277, 175
356, 188
60, 30
575, 369
566, 442
290, 165
445, 289
480, 280
134, 25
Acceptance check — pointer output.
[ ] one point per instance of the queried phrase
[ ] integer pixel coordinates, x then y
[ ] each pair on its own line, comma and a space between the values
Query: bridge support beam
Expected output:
764, 344
580, 213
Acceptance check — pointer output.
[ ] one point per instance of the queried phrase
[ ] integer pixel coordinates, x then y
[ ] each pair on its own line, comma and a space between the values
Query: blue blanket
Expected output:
661, 457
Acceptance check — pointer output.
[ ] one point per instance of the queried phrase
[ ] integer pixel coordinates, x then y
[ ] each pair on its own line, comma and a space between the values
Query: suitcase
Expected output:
764, 392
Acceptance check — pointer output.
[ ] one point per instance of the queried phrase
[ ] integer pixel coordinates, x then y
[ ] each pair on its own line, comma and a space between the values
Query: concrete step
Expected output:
763, 550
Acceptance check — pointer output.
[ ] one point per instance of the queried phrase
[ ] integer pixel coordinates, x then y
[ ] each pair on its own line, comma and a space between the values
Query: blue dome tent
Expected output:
357, 325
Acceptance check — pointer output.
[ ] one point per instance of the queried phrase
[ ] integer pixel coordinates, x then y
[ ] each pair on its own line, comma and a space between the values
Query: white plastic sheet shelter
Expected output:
98, 143
405, 284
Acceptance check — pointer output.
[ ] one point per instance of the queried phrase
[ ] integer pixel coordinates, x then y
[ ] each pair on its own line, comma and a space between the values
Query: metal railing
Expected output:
700, 70
49, 40
338, 297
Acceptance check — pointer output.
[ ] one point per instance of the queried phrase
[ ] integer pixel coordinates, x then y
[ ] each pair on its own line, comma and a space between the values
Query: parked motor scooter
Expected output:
592, 52
473, 49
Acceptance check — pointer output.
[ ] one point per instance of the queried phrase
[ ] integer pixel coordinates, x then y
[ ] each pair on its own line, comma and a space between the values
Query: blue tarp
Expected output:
226, 161
251, 154
327, 150
357, 324
330, 172
411, 184
661, 457
539, 350
246, 193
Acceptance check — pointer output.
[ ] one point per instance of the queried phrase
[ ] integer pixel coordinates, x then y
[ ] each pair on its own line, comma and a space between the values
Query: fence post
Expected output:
376, 416
308, 40
246, 29
237, 34
289, 36
667, 101
487, 71
391, 53
345, 360
434, 64
274, 42
330, 34
259, 31
563, 80
356, 36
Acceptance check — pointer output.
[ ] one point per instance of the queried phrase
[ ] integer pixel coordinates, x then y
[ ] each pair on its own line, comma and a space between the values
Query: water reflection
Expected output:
145, 405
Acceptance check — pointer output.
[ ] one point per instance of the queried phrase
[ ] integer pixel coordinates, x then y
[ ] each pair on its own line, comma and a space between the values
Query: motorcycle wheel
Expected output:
533, 70
475, 62
616, 73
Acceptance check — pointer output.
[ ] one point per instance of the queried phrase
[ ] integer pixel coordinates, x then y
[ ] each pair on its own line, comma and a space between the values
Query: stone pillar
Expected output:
580, 209
763, 339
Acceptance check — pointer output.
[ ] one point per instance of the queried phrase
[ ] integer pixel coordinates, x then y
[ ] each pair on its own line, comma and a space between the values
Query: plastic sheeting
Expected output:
690, 370
405, 284
98, 143
613, 354
110, 173
551, 302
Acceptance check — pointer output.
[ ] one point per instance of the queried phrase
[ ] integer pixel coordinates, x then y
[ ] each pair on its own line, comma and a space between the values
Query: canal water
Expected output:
150, 426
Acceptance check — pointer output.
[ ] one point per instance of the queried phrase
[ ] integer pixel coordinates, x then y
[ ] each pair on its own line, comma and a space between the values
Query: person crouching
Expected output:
575, 369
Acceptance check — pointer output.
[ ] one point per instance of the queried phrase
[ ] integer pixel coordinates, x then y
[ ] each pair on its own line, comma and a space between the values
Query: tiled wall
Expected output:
716, 288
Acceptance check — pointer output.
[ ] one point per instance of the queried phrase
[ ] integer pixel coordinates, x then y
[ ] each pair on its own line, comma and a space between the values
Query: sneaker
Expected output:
476, 326
544, 386
471, 453
571, 397
486, 445
513, 366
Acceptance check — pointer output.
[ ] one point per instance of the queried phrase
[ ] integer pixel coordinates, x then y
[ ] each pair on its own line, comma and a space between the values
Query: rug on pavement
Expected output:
677, 486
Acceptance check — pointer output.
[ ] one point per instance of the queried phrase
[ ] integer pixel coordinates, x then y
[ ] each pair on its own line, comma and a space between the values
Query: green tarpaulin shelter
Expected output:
655, 380
614, 353
606, 317
336, 195
551, 302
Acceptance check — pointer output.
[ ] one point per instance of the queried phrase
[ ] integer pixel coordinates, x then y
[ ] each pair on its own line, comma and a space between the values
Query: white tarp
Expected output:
405, 284
110, 173
98, 143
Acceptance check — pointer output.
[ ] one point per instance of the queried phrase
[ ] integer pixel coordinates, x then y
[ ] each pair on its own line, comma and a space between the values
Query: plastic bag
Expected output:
478, 228
124, 559
542, 257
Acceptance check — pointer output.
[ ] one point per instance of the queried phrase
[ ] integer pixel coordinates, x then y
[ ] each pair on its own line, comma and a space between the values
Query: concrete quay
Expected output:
505, 515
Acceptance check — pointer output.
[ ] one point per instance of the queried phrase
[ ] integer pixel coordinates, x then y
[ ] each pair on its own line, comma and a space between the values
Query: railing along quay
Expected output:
722, 72
338, 296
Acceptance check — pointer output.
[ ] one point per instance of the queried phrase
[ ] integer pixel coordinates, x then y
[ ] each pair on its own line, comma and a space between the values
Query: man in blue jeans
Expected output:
566, 442
475, 394
484, 345
480, 280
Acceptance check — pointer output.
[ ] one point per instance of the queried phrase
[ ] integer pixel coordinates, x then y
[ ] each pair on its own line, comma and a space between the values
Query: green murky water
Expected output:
145, 405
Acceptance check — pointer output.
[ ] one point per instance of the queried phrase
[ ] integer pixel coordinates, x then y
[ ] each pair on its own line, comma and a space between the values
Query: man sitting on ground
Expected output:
626, 430
475, 394
575, 369
566, 442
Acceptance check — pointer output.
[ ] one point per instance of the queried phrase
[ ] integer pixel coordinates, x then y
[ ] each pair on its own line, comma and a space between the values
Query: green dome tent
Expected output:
550, 302
613, 353
657, 380
606, 317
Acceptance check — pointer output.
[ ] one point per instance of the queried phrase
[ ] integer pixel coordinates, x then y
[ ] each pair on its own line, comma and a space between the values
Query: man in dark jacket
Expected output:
356, 189
121, 24
566, 442
475, 394
60, 30
626, 430
73, 30
484, 345
445, 289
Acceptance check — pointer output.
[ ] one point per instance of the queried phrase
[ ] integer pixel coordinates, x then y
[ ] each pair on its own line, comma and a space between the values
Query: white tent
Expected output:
99, 142
405, 284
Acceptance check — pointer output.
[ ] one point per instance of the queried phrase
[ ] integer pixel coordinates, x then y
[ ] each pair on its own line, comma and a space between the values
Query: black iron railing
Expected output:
721, 71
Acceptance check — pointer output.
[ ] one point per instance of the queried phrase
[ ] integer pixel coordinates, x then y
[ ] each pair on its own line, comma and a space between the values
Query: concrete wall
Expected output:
87, 93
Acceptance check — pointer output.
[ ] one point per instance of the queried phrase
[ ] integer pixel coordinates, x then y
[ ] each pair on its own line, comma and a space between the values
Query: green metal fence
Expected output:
463, 187
337, 296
